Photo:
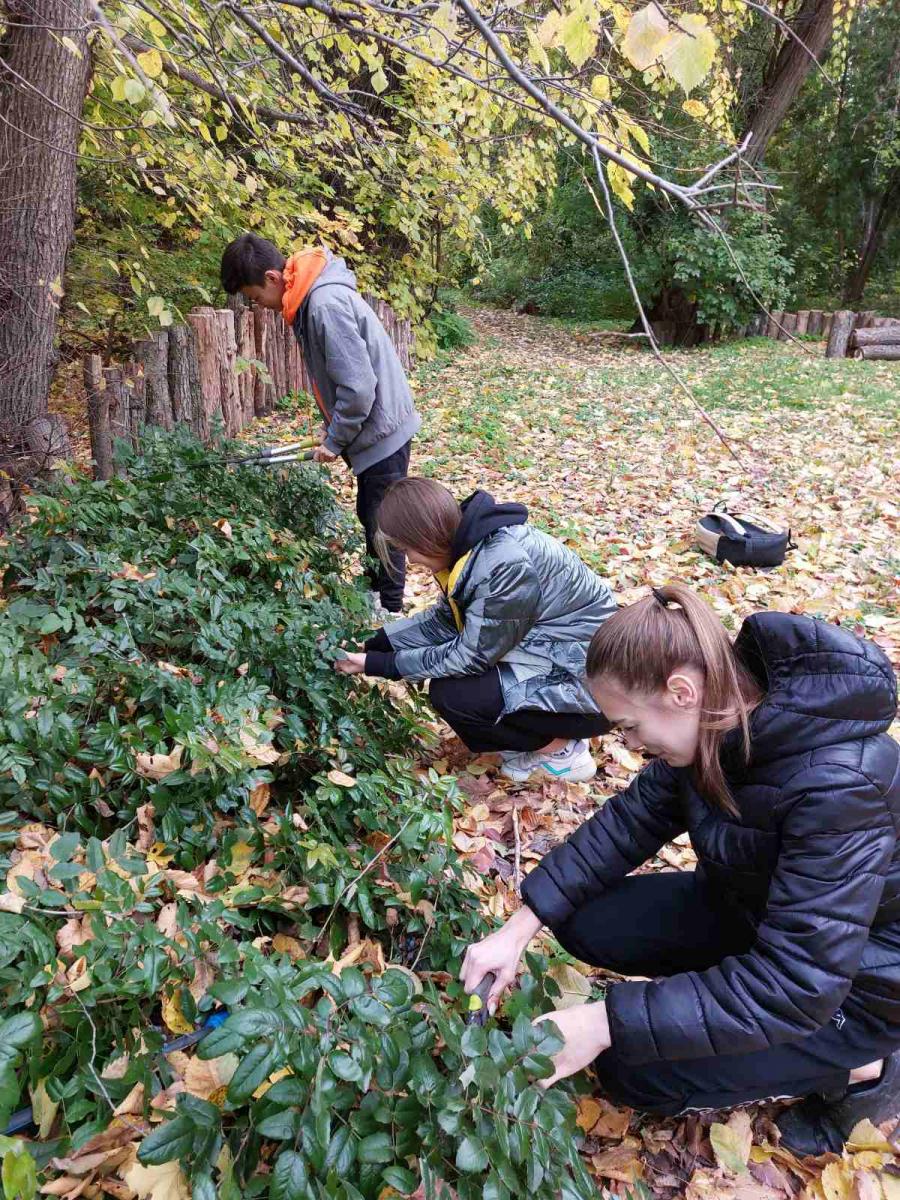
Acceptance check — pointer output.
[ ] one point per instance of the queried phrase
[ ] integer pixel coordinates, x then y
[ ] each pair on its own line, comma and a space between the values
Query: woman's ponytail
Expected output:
643, 644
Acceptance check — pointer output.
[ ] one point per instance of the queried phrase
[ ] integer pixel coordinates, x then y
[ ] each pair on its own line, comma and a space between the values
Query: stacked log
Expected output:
877, 341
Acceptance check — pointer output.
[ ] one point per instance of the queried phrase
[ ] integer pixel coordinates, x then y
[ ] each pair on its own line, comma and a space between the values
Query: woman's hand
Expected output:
585, 1028
352, 664
499, 953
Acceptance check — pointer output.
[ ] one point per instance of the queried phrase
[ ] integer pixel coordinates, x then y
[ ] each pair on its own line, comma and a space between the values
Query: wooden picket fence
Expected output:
205, 374
860, 334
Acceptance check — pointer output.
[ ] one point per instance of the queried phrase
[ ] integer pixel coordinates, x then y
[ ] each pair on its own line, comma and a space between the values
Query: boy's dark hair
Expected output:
246, 260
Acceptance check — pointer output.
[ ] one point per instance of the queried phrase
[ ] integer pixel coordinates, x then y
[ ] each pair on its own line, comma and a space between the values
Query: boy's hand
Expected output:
322, 454
351, 664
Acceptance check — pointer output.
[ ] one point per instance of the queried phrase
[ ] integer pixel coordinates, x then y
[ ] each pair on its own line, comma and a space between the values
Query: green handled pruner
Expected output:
478, 1009
273, 456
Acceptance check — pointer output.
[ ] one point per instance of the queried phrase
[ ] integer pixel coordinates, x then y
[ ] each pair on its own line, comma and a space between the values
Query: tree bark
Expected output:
841, 330
780, 88
880, 213
42, 89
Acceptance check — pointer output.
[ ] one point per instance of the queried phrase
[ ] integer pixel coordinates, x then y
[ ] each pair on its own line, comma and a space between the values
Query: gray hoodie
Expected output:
355, 367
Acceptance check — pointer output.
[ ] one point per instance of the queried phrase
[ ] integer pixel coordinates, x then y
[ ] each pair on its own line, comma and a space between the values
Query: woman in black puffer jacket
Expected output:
776, 964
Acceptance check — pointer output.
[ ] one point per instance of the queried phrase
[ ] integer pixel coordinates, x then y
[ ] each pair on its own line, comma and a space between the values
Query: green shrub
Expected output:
196, 809
451, 330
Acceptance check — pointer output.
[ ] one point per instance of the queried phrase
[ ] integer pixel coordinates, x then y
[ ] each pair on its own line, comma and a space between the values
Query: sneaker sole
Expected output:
579, 774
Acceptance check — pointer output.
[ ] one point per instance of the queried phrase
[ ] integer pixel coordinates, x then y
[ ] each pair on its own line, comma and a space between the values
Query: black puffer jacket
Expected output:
813, 859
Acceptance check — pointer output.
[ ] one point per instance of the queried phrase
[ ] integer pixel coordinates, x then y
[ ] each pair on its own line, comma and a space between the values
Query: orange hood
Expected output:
300, 272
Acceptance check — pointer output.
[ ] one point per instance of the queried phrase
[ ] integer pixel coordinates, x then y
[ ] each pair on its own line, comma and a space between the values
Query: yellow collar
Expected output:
447, 581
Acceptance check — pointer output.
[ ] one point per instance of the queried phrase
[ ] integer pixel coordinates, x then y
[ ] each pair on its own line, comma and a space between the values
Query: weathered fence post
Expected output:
841, 331
205, 327
228, 382
153, 355
184, 376
246, 348
788, 326
772, 329
98, 417
263, 389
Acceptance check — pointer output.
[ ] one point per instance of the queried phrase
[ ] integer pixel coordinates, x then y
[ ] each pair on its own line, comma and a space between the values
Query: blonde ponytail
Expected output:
643, 644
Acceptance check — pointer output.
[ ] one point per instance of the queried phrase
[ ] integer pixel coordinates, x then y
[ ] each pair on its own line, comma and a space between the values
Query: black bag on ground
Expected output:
740, 540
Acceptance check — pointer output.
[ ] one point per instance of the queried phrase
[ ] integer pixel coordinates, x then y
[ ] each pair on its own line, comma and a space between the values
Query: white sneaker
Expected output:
380, 614
572, 764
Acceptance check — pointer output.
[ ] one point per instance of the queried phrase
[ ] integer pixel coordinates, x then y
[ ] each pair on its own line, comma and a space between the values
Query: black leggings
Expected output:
662, 924
471, 704
371, 486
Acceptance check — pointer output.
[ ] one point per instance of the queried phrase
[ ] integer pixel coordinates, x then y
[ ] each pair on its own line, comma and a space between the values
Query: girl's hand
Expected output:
585, 1028
500, 953
352, 664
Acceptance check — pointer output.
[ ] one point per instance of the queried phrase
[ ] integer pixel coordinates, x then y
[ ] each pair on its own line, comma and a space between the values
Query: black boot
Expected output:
820, 1124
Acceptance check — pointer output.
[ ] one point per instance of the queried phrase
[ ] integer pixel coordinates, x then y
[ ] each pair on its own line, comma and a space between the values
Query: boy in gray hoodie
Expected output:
358, 380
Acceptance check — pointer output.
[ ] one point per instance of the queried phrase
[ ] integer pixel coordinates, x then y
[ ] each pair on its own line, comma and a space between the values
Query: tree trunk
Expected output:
673, 319
42, 89
780, 88
841, 331
881, 212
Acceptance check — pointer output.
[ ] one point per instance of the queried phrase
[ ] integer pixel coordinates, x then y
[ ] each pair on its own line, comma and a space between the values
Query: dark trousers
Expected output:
371, 485
662, 924
471, 704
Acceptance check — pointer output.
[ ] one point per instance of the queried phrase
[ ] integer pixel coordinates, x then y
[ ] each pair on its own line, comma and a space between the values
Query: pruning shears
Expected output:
273, 456
478, 1010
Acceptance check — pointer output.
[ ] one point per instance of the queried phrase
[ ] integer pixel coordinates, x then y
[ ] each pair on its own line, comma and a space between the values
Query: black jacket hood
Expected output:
823, 685
481, 516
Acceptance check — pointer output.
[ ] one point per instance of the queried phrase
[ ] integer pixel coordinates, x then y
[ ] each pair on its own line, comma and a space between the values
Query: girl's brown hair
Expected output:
417, 514
642, 645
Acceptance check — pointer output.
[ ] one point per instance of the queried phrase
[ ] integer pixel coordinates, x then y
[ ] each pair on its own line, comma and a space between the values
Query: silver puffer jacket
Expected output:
528, 605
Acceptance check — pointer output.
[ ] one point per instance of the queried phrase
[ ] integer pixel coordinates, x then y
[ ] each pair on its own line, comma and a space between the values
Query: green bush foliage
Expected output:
200, 816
